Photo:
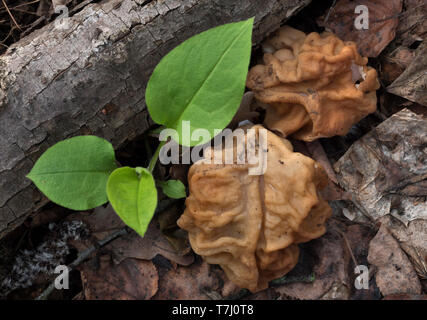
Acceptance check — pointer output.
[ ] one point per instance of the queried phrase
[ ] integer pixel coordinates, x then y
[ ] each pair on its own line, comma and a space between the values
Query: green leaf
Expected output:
202, 80
74, 172
133, 195
174, 189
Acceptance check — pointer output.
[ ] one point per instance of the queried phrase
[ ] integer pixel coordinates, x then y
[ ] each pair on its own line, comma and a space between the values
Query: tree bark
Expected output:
88, 76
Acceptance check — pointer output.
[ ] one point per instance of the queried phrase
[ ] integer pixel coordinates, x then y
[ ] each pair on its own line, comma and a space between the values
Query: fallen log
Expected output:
86, 74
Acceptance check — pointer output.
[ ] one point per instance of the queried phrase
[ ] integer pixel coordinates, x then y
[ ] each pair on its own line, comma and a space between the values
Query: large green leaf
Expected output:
74, 172
202, 80
133, 195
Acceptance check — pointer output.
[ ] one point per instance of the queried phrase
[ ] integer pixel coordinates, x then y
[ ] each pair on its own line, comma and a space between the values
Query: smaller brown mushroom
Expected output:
251, 224
313, 85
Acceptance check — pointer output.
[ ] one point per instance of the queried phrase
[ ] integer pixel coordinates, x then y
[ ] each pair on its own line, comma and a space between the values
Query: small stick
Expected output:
162, 206
25, 11
22, 5
399, 14
329, 12
83, 256
11, 15
7, 37
348, 247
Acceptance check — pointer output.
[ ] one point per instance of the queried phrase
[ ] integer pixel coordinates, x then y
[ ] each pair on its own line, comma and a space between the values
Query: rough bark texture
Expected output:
88, 76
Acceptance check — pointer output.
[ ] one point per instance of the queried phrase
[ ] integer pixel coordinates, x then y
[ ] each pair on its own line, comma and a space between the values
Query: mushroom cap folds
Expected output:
313, 85
251, 224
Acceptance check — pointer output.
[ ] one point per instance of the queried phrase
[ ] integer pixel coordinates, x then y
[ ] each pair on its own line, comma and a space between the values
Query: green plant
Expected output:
201, 81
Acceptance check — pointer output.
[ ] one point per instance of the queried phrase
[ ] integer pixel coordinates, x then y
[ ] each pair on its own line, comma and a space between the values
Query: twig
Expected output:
83, 256
420, 265
329, 12
10, 14
293, 279
23, 4
8, 35
348, 247
32, 26
162, 206
399, 14
25, 11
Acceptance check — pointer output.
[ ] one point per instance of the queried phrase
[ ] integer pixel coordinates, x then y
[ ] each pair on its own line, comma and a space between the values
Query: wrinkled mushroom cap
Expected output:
313, 85
251, 224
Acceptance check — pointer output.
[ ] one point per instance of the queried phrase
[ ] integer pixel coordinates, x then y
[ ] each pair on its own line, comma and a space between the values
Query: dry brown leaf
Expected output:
359, 236
267, 294
196, 282
334, 258
383, 21
412, 239
391, 104
394, 63
330, 272
49, 214
412, 23
386, 169
153, 243
318, 153
132, 279
405, 296
332, 191
104, 221
177, 237
350, 211
179, 172
395, 273
412, 83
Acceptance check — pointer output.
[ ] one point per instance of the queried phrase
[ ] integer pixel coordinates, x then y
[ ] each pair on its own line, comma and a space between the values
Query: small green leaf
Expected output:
174, 189
202, 80
133, 195
74, 172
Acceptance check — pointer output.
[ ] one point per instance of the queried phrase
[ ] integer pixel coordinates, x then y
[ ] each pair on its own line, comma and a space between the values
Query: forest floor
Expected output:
162, 265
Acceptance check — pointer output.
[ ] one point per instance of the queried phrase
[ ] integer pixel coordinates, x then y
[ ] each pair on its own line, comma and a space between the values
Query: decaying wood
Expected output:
88, 73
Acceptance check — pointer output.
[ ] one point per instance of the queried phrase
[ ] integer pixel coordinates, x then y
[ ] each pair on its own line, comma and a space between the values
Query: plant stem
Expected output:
155, 157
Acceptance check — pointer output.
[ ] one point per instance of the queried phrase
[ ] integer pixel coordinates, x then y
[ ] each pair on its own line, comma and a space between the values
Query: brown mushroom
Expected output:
313, 85
251, 224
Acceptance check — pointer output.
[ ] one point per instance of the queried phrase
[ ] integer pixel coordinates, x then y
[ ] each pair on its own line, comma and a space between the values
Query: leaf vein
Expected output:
210, 74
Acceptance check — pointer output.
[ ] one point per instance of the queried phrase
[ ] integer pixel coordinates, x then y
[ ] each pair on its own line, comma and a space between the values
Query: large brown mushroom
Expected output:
251, 224
313, 85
